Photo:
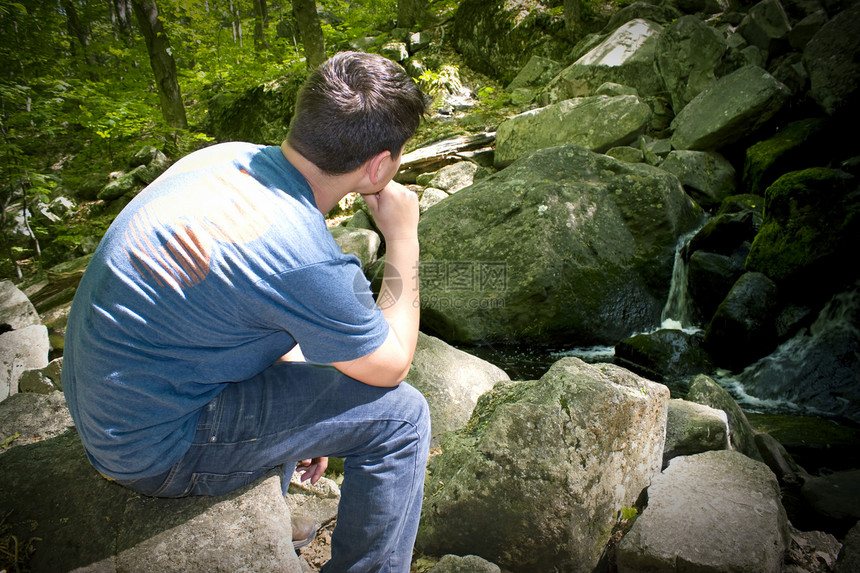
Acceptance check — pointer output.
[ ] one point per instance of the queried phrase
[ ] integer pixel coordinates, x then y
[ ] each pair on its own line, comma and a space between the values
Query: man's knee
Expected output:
414, 407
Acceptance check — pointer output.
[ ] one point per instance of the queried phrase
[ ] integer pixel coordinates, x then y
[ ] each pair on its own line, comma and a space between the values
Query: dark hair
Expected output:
353, 107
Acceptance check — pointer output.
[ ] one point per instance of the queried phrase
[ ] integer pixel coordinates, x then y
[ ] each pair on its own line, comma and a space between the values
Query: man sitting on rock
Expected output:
176, 368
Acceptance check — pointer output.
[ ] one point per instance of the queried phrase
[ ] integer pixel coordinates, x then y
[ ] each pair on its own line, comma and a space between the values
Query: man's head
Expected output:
353, 107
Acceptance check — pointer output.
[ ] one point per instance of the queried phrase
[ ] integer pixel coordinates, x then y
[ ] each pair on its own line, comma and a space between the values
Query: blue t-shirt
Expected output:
207, 277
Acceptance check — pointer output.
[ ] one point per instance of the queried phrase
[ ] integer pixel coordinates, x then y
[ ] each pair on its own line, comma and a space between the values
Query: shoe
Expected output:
304, 531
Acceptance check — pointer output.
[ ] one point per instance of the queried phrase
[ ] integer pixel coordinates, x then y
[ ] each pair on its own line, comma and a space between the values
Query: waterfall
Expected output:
677, 313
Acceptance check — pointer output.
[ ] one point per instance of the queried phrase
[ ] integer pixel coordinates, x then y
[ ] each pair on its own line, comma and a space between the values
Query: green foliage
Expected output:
628, 513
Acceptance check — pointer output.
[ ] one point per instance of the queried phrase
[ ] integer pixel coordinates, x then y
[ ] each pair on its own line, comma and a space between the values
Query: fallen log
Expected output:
441, 153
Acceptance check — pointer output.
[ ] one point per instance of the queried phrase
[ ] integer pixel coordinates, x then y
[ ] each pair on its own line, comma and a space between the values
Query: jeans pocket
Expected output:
219, 484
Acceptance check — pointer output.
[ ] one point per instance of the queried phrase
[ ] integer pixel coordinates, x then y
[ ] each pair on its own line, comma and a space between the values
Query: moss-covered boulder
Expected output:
497, 38
666, 354
260, 114
564, 245
810, 233
536, 479
802, 143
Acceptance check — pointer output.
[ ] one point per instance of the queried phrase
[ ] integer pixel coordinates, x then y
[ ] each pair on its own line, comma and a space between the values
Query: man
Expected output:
176, 369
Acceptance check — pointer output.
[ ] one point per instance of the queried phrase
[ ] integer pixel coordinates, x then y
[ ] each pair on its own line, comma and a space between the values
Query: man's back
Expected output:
202, 280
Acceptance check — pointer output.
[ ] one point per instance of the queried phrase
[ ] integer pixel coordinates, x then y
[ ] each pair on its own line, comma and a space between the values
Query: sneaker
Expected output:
304, 531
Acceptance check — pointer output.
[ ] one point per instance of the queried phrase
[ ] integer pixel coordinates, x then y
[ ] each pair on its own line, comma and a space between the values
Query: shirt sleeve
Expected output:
327, 307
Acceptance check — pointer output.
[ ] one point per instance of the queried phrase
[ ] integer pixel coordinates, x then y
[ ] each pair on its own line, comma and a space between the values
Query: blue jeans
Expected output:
296, 411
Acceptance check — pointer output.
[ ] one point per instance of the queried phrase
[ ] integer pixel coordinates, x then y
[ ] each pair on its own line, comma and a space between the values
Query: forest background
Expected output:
86, 83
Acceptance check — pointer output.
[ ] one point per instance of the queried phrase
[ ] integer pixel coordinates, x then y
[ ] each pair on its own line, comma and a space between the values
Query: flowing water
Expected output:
817, 372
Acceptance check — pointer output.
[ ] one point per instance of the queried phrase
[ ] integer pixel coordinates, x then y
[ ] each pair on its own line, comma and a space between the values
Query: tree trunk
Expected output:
161, 60
573, 18
261, 17
305, 12
411, 13
121, 17
79, 31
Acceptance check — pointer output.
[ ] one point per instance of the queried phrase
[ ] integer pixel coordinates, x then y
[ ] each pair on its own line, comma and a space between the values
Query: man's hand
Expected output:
312, 469
395, 211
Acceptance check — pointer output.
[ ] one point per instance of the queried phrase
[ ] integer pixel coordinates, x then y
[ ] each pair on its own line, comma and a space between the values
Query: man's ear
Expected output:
376, 165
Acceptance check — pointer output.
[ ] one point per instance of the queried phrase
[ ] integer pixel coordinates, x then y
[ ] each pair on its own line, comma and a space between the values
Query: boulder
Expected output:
363, 243
849, 557
717, 511
688, 52
467, 564
834, 500
563, 245
119, 186
535, 480
811, 228
452, 381
766, 26
703, 390
710, 277
797, 145
731, 108
21, 350
665, 354
537, 72
831, 58
394, 51
596, 123
693, 428
454, 177
724, 234
625, 57
707, 176
16, 310
68, 517
430, 197
742, 328
26, 418
42, 380
498, 38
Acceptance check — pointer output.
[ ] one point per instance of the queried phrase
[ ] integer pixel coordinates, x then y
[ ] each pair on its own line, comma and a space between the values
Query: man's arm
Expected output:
395, 210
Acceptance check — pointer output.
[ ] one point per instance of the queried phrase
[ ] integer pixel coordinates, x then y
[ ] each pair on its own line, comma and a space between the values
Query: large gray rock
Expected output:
536, 479
21, 350
28, 417
454, 177
538, 71
452, 381
363, 243
703, 390
16, 310
77, 520
688, 52
717, 511
707, 176
831, 58
595, 123
693, 428
766, 26
562, 245
625, 57
729, 109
